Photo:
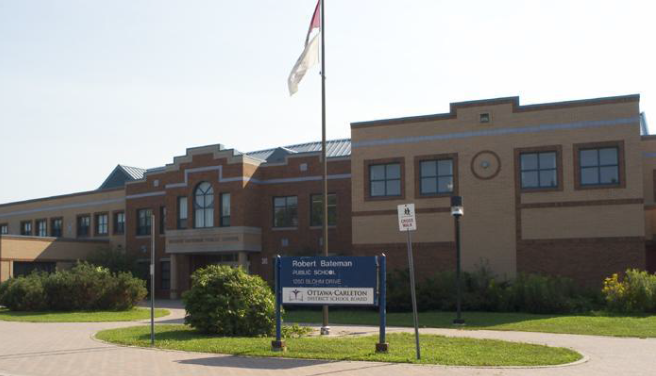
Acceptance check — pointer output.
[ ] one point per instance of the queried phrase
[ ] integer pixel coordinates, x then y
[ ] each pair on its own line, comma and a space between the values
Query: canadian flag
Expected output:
310, 55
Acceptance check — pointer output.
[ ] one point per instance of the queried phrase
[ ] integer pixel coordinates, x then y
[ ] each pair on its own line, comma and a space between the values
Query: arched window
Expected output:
204, 205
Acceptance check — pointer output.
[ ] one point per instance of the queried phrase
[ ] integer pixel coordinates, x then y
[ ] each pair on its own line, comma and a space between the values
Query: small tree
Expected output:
229, 302
115, 259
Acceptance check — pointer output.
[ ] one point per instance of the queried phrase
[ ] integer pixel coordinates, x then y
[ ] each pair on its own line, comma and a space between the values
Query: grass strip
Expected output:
81, 316
435, 349
595, 323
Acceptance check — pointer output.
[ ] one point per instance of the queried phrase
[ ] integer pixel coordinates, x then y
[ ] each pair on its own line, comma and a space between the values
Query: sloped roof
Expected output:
122, 174
334, 149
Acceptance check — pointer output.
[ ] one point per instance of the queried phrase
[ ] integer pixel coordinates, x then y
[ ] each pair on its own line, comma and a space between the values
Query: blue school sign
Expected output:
329, 280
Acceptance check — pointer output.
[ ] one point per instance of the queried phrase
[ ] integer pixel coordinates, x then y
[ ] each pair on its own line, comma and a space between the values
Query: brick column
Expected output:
174, 276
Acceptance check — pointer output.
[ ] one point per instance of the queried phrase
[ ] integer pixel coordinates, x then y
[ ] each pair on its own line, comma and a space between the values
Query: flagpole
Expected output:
325, 329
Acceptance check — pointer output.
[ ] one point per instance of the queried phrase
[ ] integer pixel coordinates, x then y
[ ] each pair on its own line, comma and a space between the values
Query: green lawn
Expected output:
83, 316
591, 324
435, 349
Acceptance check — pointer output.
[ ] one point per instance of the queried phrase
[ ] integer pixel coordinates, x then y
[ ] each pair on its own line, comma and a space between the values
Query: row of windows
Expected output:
538, 170
285, 211
55, 227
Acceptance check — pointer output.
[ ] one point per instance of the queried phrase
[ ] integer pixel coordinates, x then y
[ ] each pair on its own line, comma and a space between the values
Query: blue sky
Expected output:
85, 85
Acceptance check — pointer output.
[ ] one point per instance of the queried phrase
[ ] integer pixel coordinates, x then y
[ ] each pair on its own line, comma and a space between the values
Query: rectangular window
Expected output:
385, 180
102, 224
436, 177
538, 170
285, 211
56, 227
144, 221
119, 223
165, 275
225, 210
316, 210
26, 228
599, 166
182, 212
41, 227
4, 229
162, 219
83, 225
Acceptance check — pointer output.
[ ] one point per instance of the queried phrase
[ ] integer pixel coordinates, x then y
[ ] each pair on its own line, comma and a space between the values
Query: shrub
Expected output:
24, 293
636, 293
534, 293
115, 259
482, 291
229, 302
398, 291
83, 287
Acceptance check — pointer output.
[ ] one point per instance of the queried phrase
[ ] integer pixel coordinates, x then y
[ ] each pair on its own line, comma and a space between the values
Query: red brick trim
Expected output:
559, 167
621, 164
367, 213
565, 204
421, 158
600, 240
367, 188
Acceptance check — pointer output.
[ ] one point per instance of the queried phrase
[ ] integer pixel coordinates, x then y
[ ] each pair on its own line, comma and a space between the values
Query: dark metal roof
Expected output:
122, 174
334, 149
134, 172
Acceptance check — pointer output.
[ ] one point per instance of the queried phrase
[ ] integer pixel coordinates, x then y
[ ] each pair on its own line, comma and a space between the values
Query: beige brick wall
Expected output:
68, 207
490, 221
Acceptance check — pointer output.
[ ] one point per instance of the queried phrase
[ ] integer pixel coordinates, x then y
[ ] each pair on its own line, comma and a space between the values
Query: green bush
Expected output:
534, 293
116, 260
229, 302
636, 293
482, 291
83, 287
24, 293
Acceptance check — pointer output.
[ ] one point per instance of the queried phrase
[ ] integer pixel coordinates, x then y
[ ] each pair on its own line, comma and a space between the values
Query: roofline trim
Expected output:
514, 101
67, 195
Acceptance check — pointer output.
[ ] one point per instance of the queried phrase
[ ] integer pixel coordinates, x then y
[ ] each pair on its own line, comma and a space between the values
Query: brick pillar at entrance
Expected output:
174, 276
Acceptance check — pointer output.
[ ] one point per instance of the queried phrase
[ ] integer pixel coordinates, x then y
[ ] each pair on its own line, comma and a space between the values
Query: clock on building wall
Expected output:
485, 165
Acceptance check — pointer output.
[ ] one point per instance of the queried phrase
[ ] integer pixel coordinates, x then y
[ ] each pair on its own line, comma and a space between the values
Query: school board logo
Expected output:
296, 295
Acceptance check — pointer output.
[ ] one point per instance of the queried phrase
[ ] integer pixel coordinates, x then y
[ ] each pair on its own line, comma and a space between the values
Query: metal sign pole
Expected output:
382, 345
152, 280
278, 344
413, 294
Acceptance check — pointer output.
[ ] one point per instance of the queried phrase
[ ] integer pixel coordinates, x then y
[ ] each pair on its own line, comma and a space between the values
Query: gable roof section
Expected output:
120, 175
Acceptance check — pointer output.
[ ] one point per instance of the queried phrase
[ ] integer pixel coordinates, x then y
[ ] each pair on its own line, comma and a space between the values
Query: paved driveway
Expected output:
30, 349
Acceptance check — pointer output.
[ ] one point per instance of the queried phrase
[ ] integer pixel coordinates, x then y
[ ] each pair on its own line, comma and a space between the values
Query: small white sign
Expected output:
327, 295
152, 269
407, 220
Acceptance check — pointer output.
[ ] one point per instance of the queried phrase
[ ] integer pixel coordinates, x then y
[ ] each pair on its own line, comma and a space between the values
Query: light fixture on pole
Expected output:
457, 211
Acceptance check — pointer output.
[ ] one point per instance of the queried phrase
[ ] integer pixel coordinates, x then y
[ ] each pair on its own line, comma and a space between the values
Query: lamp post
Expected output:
457, 212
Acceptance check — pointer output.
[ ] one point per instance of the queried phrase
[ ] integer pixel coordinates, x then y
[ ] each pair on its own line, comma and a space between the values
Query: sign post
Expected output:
325, 281
382, 345
408, 223
152, 280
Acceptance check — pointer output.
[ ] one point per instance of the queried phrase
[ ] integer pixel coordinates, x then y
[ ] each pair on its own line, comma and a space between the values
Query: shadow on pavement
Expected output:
253, 363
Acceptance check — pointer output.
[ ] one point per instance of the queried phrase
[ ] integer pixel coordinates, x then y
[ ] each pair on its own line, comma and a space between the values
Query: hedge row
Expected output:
81, 288
482, 291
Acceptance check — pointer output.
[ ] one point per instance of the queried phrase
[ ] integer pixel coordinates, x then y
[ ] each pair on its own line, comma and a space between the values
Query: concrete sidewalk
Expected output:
31, 349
